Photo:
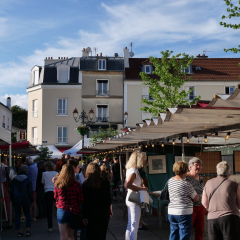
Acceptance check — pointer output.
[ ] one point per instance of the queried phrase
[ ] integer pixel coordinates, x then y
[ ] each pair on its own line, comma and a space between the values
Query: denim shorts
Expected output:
63, 216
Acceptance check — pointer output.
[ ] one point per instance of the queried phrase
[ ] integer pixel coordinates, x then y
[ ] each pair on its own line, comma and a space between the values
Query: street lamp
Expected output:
125, 117
83, 116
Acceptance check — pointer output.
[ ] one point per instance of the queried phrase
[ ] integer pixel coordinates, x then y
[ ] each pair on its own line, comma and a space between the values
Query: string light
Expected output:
228, 135
146, 146
173, 142
152, 145
162, 145
188, 140
205, 139
139, 146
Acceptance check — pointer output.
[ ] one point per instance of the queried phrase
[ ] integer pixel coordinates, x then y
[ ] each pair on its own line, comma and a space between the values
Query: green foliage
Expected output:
165, 89
103, 134
14, 137
234, 11
19, 117
45, 153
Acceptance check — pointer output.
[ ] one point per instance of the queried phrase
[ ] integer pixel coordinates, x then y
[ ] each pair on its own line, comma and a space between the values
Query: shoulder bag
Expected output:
76, 219
164, 196
215, 190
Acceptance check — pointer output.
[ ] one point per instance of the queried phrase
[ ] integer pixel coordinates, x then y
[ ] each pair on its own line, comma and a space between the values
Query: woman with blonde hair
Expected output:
97, 208
134, 183
67, 190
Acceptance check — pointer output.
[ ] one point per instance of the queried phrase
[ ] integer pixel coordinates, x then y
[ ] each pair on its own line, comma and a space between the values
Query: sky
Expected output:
32, 30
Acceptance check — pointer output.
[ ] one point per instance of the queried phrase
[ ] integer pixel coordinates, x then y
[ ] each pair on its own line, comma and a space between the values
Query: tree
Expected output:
103, 134
166, 89
234, 11
19, 117
45, 153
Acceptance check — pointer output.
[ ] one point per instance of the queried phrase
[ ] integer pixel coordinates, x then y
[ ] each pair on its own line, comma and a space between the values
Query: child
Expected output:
21, 195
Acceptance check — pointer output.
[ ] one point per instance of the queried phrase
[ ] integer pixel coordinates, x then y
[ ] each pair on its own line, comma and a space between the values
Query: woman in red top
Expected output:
66, 182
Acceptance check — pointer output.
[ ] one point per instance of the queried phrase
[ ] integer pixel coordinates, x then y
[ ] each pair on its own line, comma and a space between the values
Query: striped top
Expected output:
181, 194
198, 187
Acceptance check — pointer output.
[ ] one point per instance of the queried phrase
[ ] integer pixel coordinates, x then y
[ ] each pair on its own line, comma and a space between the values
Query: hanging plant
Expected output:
83, 130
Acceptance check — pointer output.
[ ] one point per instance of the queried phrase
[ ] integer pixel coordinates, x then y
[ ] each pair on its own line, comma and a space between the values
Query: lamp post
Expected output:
83, 116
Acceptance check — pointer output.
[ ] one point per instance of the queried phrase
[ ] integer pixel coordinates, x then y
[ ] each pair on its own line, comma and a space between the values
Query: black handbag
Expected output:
76, 220
164, 196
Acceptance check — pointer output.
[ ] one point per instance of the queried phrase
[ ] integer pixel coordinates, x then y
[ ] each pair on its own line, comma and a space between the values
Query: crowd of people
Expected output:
82, 190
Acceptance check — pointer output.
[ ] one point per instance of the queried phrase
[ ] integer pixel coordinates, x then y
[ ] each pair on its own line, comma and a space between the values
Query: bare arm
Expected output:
196, 198
238, 197
205, 201
129, 184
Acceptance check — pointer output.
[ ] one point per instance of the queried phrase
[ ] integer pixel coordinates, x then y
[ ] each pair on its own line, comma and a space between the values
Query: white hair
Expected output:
223, 169
194, 160
29, 160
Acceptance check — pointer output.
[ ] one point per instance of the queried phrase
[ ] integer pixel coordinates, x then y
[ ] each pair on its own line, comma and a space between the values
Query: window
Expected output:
102, 111
229, 90
147, 69
35, 108
3, 123
62, 108
63, 76
62, 135
188, 69
34, 139
102, 87
35, 76
101, 64
191, 94
8, 124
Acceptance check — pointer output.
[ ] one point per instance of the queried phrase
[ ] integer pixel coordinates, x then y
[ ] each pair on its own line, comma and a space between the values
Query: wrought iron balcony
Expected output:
148, 97
101, 119
102, 93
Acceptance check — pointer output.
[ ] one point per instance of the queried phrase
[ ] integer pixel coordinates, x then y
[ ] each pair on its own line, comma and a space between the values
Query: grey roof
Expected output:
72, 62
5, 106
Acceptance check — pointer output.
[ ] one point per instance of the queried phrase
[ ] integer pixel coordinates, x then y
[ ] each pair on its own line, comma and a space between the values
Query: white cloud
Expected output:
18, 99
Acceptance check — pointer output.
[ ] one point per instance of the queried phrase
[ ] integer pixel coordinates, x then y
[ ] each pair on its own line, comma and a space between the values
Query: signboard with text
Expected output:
22, 135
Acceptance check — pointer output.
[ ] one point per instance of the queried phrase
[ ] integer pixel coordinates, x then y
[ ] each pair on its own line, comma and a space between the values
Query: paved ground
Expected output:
116, 230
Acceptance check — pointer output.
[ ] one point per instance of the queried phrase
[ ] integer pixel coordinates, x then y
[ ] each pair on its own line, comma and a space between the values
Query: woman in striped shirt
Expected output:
180, 209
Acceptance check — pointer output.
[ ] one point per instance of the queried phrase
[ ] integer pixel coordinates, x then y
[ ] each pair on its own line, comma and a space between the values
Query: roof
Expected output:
212, 69
72, 62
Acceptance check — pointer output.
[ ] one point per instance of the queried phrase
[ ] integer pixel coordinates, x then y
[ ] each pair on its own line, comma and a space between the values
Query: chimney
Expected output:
100, 54
126, 57
51, 58
201, 57
85, 53
9, 102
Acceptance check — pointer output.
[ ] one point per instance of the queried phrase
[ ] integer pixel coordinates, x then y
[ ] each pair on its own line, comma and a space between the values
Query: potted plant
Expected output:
83, 130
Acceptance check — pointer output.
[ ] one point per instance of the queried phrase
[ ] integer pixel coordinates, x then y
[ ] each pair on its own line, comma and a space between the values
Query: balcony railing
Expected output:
148, 97
3, 125
102, 93
101, 119
34, 114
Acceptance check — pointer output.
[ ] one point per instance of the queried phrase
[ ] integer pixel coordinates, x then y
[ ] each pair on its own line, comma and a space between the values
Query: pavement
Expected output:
116, 229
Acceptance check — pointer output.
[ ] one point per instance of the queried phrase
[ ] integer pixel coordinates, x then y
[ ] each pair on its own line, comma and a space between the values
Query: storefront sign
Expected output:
22, 134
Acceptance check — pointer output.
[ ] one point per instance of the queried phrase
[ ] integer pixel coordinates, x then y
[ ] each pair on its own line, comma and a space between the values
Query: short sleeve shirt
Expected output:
137, 182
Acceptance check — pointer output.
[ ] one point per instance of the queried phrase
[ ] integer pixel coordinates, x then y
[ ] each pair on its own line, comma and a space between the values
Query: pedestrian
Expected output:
5, 184
40, 199
48, 190
67, 157
195, 166
115, 173
32, 174
105, 172
97, 208
82, 174
134, 183
21, 195
221, 197
180, 209
18, 163
67, 190
60, 162
105, 161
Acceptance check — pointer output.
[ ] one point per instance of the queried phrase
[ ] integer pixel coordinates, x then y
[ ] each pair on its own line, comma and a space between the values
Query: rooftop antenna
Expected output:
205, 51
131, 53
95, 50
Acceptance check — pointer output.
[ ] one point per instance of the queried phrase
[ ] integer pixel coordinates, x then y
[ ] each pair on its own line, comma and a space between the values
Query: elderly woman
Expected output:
221, 197
195, 165
180, 209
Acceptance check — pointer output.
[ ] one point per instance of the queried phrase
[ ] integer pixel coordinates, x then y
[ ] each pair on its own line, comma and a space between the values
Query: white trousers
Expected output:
134, 213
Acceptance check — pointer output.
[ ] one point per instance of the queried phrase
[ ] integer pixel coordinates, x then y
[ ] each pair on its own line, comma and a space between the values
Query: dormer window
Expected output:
63, 73
35, 77
102, 64
187, 70
148, 69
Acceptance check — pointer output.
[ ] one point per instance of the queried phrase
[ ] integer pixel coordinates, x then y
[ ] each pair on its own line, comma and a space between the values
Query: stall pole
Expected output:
10, 205
183, 153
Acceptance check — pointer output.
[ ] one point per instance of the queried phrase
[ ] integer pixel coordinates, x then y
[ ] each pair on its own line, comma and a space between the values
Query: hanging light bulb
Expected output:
188, 140
228, 135
205, 139
162, 145
133, 149
127, 148
146, 146
173, 142
152, 145
139, 146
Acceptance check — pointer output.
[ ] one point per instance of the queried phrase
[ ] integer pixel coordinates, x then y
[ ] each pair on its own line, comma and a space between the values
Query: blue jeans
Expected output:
180, 226
63, 217
18, 212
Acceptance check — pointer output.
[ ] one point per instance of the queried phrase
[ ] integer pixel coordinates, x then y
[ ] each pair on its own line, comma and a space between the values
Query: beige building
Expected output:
210, 76
62, 85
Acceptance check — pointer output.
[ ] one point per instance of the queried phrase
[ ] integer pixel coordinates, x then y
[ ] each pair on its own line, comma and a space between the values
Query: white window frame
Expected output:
107, 110
62, 143
189, 70
63, 67
35, 72
229, 89
4, 121
107, 87
66, 107
35, 111
187, 88
102, 60
149, 69
34, 138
